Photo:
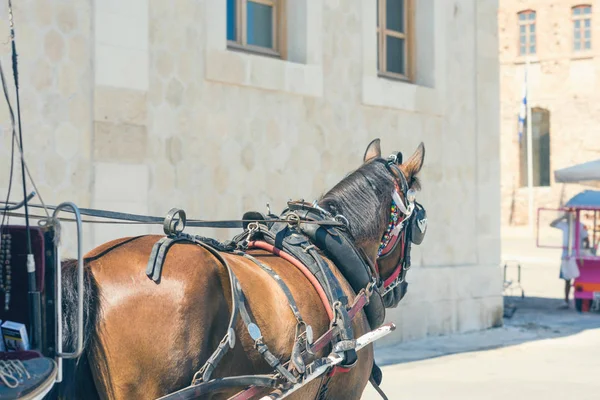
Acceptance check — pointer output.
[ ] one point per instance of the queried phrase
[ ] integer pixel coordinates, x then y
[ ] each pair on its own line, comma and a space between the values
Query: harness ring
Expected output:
173, 226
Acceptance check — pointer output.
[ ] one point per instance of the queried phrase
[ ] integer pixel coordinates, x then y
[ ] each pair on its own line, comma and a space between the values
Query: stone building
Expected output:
144, 105
558, 37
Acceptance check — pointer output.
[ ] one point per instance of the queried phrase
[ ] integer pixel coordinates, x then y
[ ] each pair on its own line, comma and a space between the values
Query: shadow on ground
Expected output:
534, 318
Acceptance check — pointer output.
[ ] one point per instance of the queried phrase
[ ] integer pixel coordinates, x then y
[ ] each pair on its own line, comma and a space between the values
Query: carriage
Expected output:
31, 283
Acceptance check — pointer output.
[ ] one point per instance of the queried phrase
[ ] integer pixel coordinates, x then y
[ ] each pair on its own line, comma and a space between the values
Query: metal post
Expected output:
570, 237
593, 242
35, 302
80, 286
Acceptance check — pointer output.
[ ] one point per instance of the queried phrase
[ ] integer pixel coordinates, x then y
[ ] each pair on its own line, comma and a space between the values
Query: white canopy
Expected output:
586, 172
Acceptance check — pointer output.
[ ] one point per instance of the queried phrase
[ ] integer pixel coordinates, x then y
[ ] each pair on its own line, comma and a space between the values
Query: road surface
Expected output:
542, 352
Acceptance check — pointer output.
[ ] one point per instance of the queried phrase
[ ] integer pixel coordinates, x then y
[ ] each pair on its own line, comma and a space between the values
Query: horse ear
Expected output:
373, 150
415, 162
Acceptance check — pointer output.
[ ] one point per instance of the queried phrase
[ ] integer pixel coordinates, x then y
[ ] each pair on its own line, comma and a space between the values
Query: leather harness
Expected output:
295, 237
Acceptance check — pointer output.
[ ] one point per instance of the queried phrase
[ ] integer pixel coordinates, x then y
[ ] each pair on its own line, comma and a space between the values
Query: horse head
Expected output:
378, 201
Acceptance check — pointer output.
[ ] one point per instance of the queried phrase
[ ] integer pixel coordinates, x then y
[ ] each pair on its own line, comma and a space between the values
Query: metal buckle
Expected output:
370, 288
252, 227
342, 220
392, 285
293, 219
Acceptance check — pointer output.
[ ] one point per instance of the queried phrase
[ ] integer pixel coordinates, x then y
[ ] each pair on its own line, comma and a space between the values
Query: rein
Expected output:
127, 218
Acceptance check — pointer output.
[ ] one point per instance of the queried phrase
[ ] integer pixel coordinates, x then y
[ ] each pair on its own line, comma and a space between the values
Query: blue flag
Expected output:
523, 109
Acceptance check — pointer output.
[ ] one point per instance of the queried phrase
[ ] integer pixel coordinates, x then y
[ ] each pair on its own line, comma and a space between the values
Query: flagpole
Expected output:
529, 150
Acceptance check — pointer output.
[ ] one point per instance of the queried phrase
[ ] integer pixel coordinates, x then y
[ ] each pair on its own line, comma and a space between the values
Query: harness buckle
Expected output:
342, 220
395, 158
370, 288
392, 285
293, 219
252, 227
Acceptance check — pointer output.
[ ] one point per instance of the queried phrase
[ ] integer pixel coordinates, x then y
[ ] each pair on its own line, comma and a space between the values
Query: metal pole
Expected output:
529, 150
35, 316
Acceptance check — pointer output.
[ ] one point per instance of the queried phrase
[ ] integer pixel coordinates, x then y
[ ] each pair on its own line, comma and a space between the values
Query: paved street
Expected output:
560, 368
542, 352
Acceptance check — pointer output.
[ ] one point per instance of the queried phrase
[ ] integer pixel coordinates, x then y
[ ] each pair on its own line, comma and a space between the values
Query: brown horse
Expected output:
145, 340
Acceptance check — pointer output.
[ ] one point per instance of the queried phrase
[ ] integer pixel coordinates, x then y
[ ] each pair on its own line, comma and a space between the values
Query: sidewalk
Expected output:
541, 352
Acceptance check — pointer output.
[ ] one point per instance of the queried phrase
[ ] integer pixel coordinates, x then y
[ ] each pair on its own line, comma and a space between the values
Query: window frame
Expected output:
241, 24
407, 36
581, 17
527, 23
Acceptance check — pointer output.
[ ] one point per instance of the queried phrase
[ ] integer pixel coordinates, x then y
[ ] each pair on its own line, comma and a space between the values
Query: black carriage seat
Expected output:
28, 374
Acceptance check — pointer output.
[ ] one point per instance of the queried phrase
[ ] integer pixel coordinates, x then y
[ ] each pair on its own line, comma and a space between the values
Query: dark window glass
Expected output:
260, 25
394, 14
395, 55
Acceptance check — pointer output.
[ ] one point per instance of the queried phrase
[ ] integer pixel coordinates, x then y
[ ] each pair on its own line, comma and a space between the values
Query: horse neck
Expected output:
369, 249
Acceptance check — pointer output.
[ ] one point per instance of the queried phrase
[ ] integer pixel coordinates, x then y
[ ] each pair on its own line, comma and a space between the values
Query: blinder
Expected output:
418, 224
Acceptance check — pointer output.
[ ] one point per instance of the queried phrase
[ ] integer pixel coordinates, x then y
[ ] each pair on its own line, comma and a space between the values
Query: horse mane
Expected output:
363, 197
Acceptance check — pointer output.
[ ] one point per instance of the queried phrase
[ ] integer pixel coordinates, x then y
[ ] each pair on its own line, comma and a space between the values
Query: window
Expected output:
582, 27
526, 32
393, 38
540, 139
256, 25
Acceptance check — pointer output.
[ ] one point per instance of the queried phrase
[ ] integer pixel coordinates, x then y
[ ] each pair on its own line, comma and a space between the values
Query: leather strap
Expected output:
228, 340
158, 254
377, 388
279, 281
196, 391
197, 223
256, 335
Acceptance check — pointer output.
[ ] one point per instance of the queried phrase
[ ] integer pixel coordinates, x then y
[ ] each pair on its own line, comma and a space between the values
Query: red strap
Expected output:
390, 245
247, 394
270, 248
337, 370
397, 271
393, 276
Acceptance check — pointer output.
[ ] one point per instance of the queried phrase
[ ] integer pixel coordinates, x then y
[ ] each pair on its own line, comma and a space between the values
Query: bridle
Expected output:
399, 218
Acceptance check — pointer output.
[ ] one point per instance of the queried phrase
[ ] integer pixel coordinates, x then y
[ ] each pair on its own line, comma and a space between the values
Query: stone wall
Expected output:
174, 119
55, 64
562, 82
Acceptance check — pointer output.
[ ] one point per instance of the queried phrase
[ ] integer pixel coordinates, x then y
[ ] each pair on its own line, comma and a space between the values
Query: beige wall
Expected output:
561, 81
180, 121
